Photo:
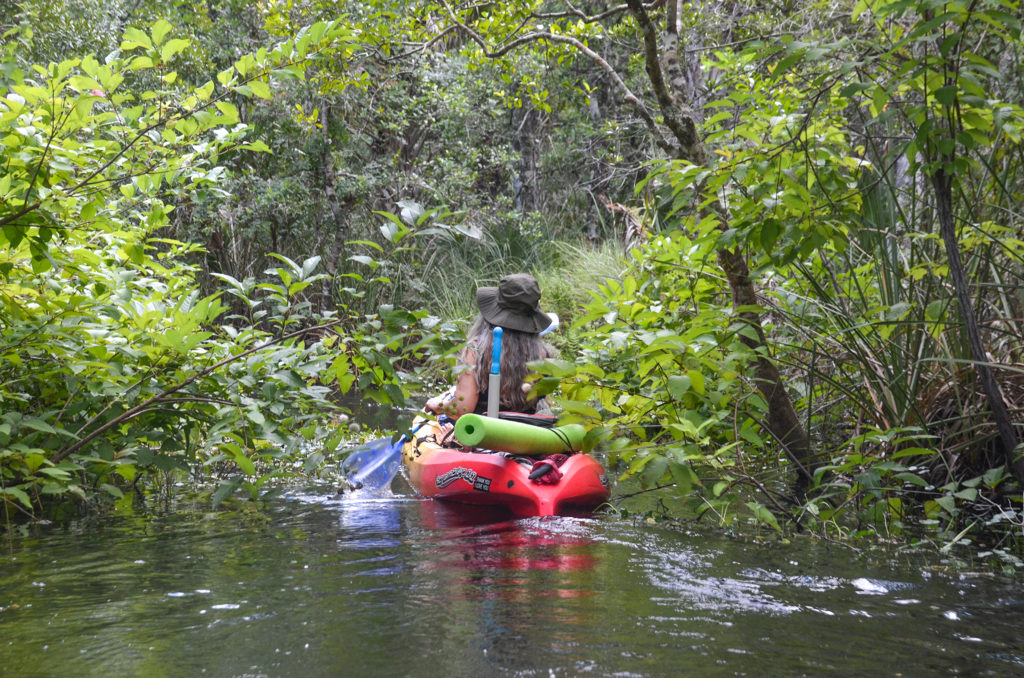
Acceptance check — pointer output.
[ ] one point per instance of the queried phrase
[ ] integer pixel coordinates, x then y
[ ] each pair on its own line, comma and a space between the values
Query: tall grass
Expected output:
881, 338
453, 267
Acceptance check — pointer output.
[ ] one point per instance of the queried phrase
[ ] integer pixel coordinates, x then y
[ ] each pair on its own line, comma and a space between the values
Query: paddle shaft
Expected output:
494, 379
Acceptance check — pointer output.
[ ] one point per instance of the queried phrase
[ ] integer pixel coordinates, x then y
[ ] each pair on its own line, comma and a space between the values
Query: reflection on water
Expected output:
365, 585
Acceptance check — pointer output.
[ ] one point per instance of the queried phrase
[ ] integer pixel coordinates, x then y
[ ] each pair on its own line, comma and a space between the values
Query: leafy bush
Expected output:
113, 364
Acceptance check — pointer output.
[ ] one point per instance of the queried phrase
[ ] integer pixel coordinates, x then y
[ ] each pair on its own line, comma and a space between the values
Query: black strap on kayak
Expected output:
565, 440
542, 420
448, 439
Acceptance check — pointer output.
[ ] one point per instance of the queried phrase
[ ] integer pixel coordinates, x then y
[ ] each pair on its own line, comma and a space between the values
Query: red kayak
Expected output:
501, 478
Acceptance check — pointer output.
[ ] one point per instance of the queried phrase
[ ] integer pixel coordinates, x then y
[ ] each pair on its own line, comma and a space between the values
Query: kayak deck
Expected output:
500, 479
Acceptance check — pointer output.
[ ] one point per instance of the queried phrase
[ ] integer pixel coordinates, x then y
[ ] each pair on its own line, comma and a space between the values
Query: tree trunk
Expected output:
943, 185
523, 142
336, 221
783, 423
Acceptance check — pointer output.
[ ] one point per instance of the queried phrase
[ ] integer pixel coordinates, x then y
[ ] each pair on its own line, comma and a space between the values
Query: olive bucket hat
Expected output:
514, 304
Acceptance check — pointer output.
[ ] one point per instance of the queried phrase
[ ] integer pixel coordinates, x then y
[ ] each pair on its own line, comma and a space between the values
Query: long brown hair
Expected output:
517, 349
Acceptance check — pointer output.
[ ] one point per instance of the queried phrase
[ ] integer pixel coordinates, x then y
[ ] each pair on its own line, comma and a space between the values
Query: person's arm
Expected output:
462, 398
466, 395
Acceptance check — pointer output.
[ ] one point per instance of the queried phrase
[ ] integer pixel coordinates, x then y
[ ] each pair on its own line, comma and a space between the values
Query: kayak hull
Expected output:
498, 479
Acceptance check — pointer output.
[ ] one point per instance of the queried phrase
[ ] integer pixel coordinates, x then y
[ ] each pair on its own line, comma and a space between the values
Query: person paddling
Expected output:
514, 305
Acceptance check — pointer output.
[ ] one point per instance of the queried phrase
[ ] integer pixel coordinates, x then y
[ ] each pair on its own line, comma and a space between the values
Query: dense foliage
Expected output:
114, 363
817, 324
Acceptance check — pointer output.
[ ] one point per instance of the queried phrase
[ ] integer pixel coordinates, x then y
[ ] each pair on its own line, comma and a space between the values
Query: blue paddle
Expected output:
494, 378
373, 466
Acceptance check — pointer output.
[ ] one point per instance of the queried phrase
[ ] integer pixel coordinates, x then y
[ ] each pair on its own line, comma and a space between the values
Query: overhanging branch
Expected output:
160, 397
538, 36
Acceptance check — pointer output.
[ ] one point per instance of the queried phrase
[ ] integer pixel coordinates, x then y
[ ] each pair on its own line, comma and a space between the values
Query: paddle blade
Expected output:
364, 454
374, 465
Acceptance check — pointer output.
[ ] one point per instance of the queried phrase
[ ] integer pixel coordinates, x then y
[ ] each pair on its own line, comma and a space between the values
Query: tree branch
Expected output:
582, 16
142, 407
681, 123
537, 36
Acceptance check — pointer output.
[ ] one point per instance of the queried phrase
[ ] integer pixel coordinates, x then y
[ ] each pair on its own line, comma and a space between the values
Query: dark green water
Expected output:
320, 586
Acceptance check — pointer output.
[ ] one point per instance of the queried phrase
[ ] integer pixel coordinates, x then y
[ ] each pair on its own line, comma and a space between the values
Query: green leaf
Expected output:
913, 452
245, 464
112, 490
946, 95
140, 62
879, 100
580, 408
260, 89
969, 494
34, 461
17, 494
770, 231
38, 425
948, 503
653, 470
912, 478
679, 385
171, 48
309, 265
696, 381
994, 476
225, 490
126, 471
787, 62
935, 310
555, 367
362, 259
684, 477
160, 30
52, 472
134, 38
855, 88
859, 8
763, 514
897, 311
229, 112
313, 462
975, 119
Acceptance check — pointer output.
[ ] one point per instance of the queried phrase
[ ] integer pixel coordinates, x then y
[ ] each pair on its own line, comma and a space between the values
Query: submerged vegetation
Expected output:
785, 244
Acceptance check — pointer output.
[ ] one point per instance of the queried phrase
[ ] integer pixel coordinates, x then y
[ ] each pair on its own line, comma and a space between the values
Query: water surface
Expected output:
316, 585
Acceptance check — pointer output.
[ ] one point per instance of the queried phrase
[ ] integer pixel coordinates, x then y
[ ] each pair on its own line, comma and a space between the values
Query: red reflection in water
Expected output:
493, 556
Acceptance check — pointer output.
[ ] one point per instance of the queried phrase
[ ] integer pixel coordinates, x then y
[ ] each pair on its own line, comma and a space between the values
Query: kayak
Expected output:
481, 476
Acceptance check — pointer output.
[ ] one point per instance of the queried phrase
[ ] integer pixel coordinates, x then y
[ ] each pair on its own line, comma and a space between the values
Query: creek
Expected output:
315, 584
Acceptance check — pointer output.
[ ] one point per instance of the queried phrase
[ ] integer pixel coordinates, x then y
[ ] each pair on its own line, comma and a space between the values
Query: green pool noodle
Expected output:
473, 430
